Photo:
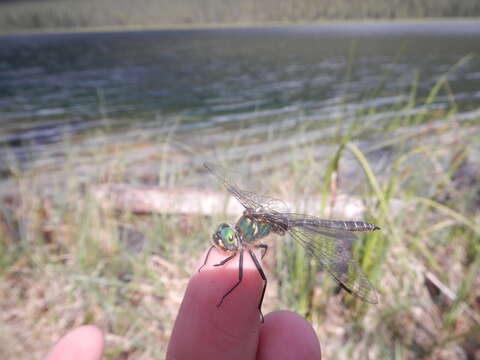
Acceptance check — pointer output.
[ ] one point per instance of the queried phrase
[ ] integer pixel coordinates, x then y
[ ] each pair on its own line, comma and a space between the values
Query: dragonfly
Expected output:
327, 241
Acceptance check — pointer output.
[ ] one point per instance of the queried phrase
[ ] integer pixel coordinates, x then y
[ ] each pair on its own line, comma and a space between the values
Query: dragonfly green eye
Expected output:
225, 237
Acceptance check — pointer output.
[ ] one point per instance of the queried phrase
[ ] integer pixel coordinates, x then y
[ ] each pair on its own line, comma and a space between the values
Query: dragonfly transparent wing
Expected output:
327, 247
249, 199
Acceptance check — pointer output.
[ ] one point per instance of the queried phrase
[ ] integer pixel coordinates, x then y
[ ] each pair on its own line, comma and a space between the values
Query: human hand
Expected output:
83, 343
233, 330
203, 331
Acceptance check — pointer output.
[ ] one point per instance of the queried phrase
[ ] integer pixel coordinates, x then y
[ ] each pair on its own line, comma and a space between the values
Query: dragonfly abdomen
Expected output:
361, 226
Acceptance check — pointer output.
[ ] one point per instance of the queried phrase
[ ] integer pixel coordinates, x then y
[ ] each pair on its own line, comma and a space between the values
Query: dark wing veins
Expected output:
249, 199
331, 247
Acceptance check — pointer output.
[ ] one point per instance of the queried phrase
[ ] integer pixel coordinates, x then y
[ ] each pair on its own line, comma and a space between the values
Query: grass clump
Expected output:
429, 224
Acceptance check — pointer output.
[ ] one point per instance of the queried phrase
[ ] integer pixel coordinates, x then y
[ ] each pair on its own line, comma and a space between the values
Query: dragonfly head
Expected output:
225, 237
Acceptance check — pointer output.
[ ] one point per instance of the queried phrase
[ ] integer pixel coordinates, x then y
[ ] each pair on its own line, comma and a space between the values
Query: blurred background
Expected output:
366, 110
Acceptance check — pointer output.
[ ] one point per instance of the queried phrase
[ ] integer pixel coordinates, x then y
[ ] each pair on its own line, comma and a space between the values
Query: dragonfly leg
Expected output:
240, 275
226, 260
206, 257
264, 247
262, 274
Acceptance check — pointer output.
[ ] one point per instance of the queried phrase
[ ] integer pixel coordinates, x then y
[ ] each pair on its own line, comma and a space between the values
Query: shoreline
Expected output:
224, 26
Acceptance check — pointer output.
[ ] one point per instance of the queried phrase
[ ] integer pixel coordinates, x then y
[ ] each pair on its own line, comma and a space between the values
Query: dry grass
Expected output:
66, 260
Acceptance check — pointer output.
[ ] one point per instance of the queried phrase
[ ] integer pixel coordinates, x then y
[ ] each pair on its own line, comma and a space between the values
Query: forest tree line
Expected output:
60, 14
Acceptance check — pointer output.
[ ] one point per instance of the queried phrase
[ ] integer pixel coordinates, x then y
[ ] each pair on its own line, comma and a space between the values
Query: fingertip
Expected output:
203, 329
85, 342
286, 335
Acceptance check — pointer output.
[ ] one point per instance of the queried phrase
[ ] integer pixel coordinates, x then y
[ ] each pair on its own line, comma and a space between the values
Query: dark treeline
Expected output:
51, 14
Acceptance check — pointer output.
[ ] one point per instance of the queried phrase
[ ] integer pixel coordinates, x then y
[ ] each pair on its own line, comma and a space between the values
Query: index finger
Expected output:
204, 330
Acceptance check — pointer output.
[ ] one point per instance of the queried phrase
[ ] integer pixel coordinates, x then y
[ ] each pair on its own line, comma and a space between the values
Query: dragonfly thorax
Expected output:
250, 229
225, 237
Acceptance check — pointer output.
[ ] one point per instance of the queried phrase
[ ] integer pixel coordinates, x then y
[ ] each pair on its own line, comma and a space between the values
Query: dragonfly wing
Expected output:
346, 237
249, 199
327, 248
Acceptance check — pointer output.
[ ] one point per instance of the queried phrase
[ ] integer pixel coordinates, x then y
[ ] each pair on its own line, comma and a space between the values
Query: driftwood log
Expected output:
156, 200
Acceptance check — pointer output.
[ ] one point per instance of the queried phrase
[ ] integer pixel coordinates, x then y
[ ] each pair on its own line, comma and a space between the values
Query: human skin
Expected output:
203, 330
83, 343
234, 330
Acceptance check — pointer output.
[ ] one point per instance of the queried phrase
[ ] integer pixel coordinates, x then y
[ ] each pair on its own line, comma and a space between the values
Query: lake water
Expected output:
243, 91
